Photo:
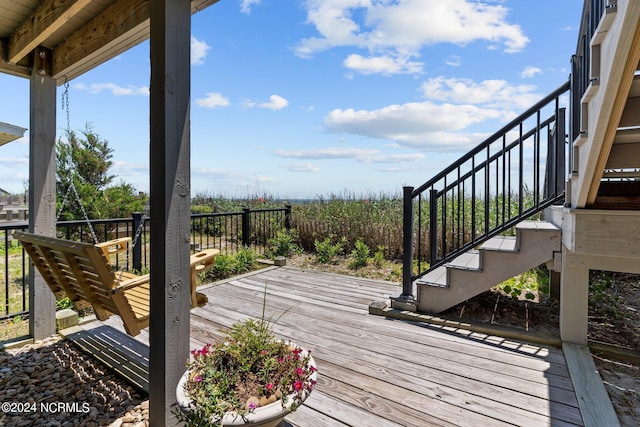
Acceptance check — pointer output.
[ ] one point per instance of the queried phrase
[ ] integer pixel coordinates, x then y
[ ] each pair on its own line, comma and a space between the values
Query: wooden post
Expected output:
170, 203
42, 191
574, 300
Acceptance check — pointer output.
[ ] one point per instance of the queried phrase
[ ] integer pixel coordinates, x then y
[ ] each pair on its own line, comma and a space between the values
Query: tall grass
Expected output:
376, 219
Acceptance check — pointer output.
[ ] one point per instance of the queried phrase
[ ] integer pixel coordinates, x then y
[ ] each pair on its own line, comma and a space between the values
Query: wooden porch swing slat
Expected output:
81, 271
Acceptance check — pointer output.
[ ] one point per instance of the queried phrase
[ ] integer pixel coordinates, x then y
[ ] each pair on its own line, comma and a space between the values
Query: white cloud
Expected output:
530, 72
236, 178
213, 100
385, 65
454, 61
126, 168
276, 102
116, 90
199, 51
361, 155
399, 122
245, 5
12, 162
445, 121
395, 31
302, 167
328, 153
490, 93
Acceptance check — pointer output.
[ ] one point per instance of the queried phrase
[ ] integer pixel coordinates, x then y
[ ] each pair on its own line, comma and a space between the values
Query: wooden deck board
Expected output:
376, 371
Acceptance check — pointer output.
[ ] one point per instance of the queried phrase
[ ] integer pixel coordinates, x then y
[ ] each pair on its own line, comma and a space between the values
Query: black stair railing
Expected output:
512, 175
581, 76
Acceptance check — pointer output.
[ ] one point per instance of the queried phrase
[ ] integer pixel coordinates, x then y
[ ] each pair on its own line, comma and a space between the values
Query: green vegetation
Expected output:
359, 256
601, 300
527, 284
376, 219
378, 257
83, 164
327, 251
283, 244
338, 233
227, 265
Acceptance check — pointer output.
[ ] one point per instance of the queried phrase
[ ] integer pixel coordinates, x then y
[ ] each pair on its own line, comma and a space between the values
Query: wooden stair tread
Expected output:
478, 270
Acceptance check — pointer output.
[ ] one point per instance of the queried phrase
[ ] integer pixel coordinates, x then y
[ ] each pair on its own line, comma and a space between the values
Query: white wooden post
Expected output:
574, 299
42, 193
170, 195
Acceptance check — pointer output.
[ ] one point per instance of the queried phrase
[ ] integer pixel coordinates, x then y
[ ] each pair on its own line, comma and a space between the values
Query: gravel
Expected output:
52, 383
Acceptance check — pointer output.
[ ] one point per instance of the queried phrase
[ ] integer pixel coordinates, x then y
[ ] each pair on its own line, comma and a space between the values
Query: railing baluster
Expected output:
459, 221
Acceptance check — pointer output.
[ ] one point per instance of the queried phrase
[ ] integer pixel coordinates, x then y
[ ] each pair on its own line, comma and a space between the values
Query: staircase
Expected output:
606, 139
496, 260
454, 224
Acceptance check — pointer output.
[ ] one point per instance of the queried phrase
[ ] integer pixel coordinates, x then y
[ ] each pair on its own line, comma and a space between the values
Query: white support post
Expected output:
574, 300
42, 193
170, 203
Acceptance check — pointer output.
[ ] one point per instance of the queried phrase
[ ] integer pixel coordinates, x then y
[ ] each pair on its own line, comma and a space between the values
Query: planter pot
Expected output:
270, 415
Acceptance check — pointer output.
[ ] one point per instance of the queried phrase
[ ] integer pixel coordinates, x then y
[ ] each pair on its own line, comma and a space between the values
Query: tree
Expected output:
83, 164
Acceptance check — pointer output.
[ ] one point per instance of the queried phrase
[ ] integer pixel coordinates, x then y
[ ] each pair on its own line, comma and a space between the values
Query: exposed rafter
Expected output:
103, 35
7, 68
119, 27
44, 22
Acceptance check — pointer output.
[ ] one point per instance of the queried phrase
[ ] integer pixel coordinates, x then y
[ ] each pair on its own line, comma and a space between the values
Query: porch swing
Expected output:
83, 273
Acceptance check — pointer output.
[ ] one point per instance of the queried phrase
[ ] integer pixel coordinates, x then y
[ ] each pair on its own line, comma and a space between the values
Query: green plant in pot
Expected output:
249, 377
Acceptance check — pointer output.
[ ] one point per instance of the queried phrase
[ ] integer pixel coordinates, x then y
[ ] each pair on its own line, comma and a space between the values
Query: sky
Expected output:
307, 98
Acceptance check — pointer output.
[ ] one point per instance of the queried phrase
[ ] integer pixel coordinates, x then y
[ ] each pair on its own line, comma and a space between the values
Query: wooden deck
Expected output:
374, 371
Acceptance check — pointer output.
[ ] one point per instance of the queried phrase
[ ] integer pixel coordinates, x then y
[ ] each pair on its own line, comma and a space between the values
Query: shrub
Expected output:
283, 244
378, 257
223, 267
327, 251
226, 265
244, 260
528, 283
359, 255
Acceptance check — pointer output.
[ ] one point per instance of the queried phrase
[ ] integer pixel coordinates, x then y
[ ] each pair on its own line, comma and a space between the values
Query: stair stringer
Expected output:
534, 246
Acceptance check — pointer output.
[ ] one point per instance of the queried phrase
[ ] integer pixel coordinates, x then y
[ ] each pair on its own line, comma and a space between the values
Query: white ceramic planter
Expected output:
264, 416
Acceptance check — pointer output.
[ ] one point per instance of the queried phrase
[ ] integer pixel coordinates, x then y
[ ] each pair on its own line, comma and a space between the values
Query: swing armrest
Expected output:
131, 283
203, 260
199, 263
114, 246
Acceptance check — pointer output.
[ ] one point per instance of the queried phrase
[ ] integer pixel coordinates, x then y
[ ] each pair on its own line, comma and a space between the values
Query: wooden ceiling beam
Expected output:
6, 67
84, 49
121, 26
46, 20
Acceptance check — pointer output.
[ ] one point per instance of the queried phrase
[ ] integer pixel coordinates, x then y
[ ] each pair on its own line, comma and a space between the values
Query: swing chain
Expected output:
69, 165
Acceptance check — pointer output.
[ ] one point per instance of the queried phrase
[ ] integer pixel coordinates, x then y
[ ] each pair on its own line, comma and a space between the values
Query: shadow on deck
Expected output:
373, 371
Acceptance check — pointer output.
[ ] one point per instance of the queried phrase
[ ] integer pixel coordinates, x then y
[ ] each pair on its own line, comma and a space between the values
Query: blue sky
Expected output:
297, 99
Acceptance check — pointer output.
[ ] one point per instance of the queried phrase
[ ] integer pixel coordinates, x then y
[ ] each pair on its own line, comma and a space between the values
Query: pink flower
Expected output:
299, 372
270, 386
298, 385
198, 378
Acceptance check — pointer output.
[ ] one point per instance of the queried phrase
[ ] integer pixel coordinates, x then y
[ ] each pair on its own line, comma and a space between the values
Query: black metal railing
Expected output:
229, 231
515, 173
581, 76
225, 231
